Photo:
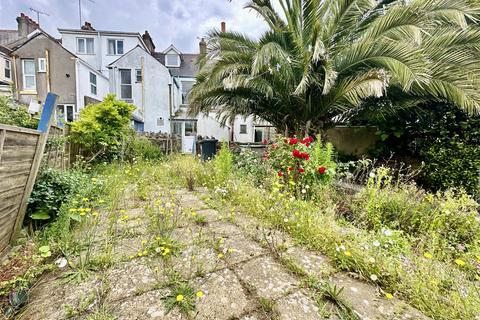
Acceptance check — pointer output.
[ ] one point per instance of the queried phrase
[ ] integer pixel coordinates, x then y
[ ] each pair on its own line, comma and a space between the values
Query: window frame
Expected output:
24, 76
243, 126
137, 75
9, 69
93, 85
40, 67
64, 110
115, 47
85, 46
167, 64
125, 84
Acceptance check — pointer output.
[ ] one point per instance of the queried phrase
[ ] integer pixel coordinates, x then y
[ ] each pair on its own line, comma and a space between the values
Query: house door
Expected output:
187, 129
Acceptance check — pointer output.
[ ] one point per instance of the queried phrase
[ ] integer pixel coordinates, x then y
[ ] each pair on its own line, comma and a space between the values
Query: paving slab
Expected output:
240, 248
224, 229
224, 297
297, 306
197, 260
366, 302
54, 298
130, 278
269, 279
313, 264
148, 305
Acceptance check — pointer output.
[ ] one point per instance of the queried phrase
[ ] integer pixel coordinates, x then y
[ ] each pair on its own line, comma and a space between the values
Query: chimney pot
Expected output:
203, 46
223, 26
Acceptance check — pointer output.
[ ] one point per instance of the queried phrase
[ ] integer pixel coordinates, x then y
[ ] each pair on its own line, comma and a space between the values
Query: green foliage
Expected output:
444, 221
53, 188
250, 164
301, 164
15, 116
321, 59
103, 127
444, 138
222, 165
141, 148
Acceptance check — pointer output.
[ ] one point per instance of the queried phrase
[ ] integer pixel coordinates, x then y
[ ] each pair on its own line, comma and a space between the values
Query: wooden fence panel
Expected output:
18, 152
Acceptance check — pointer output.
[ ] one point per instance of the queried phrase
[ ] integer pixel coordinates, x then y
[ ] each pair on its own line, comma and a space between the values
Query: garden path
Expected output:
243, 269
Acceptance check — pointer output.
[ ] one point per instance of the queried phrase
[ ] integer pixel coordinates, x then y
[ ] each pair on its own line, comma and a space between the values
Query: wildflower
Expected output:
428, 255
376, 243
199, 294
280, 173
290, 168
460, 262
95, 213
296, 153
220, 255
322, 170
166, 251
144, 242
348, 253
101, 201
85, 199
179, 298
373, 277
387, 232
301, 170
231, 250
72, 210
389, 296
194, 213
293, 141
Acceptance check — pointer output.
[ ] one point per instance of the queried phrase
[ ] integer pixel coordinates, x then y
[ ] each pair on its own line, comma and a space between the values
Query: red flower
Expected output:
285, 141
322, 170
266, 156
296, 153
300, 170
306, 141
274, 146
265, 142
280, 173
290, 168
293, 141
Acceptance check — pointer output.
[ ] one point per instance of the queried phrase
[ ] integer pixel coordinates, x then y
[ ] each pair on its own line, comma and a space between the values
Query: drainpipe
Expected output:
47, 67
142, 68
77, 85
15, 78
170, 106
99, 51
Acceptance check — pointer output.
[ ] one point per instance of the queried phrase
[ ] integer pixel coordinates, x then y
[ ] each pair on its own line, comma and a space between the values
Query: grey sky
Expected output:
180, 22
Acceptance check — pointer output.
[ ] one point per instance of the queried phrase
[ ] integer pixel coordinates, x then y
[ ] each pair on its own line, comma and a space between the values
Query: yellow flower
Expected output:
180, 297
144, 242
95, 213
85, 199
230, 250
166, 251
194, 213
220, 255
460, 262
199, 294
348, 253
87, 210
72, 210
428, 255
101, 201
389, 296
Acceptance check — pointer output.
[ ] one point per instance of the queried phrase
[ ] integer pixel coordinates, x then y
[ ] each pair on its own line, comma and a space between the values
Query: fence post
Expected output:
43, 127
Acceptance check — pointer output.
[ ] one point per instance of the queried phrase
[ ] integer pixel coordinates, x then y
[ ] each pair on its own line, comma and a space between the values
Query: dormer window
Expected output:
115, 47
172, 60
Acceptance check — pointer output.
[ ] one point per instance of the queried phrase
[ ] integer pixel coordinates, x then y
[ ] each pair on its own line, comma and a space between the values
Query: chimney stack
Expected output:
223, 26
87, 26
203, 46
148, 41
25, 25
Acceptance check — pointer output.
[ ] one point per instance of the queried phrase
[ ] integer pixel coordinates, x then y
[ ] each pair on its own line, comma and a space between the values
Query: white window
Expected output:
186, 87
65, 113
28, 71
42, 65
243, 129
8, 69
115, 47
85, 45
138, 75
93, 83
125, 84
172, 60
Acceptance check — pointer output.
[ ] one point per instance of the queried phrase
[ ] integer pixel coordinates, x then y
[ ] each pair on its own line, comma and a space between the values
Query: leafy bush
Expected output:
445, 138
301, 163
250, 164
103, 127
141, 148
444, 221
52, 188
15, 116
222, 165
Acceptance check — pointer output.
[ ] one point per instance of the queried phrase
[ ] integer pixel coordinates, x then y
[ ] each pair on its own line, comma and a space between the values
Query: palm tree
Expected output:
322, 58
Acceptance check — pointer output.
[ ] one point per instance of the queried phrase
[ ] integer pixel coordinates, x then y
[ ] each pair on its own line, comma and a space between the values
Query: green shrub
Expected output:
53, 188
15, 116
141, 148
250, 164
103, 128
444, 221
222, 166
